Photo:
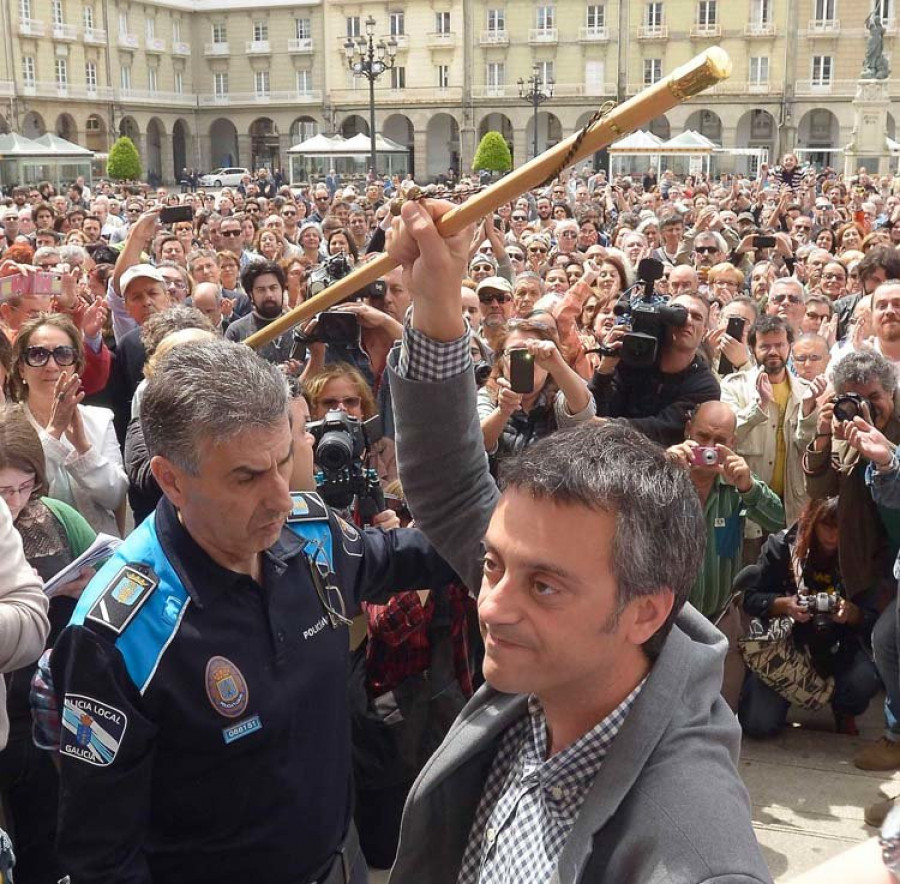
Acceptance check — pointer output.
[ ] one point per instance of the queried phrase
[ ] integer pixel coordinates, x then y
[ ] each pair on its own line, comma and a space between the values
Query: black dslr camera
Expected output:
821, 605
341, 445
850, 405
648, 315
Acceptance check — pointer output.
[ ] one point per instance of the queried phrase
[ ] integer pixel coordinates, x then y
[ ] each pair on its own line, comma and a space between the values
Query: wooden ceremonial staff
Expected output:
699, 73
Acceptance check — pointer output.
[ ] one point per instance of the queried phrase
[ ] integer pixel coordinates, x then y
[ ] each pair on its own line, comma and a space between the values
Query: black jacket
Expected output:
216, 739
657, 404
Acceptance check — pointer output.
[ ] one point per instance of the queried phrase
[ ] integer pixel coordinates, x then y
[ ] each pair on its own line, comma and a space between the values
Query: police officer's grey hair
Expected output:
73, 254
160, 325
863, 367
46, 252
660, 537
203, 394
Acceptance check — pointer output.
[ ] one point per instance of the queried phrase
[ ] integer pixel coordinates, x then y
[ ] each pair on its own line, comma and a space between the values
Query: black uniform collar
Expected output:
204, 578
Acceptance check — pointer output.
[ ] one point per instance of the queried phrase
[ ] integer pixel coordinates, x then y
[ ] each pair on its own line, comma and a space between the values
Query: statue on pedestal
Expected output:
875, 65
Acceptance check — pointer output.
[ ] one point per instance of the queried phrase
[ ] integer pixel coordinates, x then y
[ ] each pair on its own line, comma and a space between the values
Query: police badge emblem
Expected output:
226, 687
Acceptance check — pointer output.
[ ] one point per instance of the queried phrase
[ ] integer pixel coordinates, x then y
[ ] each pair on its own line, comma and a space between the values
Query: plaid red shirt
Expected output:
398, 645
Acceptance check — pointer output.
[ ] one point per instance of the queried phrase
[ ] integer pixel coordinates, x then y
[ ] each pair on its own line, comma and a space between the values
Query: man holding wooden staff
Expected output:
600, 749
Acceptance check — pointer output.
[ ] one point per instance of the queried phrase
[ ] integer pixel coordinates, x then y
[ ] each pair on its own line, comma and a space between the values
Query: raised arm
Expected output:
440, 448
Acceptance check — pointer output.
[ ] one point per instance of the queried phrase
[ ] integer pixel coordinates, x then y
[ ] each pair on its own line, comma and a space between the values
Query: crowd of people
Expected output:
684, 388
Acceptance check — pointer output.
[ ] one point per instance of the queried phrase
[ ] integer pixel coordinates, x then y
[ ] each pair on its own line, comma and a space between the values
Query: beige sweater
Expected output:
23, 610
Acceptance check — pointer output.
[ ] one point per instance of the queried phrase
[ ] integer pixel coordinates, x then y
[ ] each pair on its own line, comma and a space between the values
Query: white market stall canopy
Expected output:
637, 142
316, 156
48, 158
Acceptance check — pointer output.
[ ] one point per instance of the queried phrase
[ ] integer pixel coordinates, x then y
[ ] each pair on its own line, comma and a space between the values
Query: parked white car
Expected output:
227, 177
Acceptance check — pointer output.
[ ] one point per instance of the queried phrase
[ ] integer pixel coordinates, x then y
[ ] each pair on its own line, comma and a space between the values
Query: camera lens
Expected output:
710, 458
335, 451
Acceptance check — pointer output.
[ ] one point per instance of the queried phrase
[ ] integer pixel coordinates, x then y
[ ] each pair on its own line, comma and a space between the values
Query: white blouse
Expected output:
94, 483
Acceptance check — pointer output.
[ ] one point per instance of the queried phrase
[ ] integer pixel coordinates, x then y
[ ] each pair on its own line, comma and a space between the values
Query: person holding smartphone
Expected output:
532, 391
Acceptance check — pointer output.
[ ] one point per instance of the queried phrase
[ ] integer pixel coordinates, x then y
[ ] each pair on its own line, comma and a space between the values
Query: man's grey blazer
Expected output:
667, 804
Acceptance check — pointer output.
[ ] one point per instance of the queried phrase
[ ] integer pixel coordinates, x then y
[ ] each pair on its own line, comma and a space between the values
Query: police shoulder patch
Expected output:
123, 597
92, 731
308, 507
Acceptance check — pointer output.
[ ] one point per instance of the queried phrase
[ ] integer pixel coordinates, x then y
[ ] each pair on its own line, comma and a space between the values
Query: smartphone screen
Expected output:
171, 214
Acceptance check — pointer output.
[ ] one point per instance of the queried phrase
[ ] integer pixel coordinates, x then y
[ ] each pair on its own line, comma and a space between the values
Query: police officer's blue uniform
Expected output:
205, 732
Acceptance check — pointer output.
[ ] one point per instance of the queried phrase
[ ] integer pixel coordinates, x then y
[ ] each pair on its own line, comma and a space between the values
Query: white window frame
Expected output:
820, 66
496, 20
25, 10
707, 13
547, 71
655, 14
219, 33
57, 15
398, 77
179, 82
220, 84
758, 67
125, 76
302, 28
595, 17
825, 10
29, 69
61, 72
261, 31
90, 75
87, 17
443, 76
545, 17
304, 82
354, 27
495, 74
652, 71
262, 82
442, 22
397, 24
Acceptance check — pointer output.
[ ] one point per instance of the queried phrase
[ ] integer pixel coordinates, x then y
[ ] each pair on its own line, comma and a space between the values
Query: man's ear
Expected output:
646, 614
170, 478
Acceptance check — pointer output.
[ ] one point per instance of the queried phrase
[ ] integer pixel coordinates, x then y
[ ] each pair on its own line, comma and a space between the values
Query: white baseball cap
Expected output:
139, 271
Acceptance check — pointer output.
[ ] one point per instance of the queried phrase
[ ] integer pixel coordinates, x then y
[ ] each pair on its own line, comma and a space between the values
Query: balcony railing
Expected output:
543, 35
494, 38
96, 36
440, 39
147, 96
300, 44
593, 34
653, 32
128, 41
7, 88
49, 89
706, 30
824, 26
562, 90
238, 98
760, 29
65, 32
402, 40
258, 47
821, 87
179, 48
155, 44
29, 27
216, 49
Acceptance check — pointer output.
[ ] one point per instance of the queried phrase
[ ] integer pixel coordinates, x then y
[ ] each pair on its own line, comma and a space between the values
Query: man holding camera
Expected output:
264, 282
776, 419
865, 385
731, 496
657, 399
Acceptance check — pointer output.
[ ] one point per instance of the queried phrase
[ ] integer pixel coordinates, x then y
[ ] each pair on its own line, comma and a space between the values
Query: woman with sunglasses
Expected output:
537, 248
559, 398
84, 463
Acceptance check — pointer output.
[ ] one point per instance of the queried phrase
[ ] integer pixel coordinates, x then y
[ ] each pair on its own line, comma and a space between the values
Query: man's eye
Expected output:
544, 590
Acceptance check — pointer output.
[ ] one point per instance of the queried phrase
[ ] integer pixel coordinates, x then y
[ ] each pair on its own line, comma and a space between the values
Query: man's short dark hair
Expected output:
821, 299
671, 220
766, 325
660, 537
255, 269
879, 257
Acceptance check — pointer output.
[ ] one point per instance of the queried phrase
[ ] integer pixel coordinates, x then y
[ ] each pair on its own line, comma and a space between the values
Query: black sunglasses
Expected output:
490, 297
706, 250
37, 357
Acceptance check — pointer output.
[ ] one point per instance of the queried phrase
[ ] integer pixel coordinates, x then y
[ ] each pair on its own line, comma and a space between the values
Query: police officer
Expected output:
202, 679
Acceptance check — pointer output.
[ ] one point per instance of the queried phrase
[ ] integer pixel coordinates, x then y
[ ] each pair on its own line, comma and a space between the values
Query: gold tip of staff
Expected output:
700, 73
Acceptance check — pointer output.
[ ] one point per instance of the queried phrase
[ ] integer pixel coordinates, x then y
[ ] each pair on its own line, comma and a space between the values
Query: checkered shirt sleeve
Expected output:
530, 802
429, 361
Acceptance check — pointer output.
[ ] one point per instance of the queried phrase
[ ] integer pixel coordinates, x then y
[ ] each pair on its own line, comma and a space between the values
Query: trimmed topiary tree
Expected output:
493, 154
124, 163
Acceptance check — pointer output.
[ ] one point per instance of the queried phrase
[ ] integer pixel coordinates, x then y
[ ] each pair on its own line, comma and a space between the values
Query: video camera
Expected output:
341, 445
648, 315
321, 276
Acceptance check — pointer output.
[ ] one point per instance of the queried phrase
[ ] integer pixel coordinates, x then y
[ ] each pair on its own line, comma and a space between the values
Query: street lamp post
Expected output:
369, 59
532, 90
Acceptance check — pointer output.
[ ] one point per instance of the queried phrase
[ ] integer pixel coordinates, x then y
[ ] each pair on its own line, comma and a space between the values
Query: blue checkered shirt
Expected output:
530, 802
422, 359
